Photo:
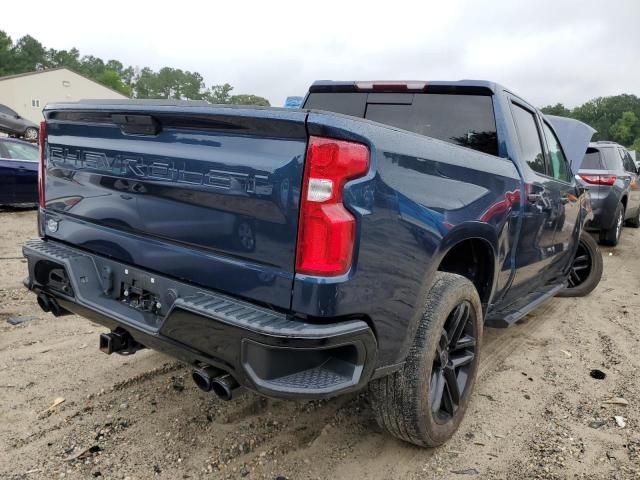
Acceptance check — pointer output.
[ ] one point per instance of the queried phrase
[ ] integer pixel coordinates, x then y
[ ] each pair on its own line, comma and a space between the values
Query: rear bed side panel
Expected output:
212, 199
420, 197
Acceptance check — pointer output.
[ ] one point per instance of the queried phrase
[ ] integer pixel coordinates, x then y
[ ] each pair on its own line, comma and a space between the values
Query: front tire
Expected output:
425, 401
586, 269
612, 236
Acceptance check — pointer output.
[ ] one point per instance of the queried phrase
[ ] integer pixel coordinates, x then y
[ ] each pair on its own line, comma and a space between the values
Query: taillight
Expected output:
599, 179
327, 230
42, 136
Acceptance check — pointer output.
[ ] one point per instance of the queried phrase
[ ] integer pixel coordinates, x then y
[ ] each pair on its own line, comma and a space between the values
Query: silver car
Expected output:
610, 175
15, 125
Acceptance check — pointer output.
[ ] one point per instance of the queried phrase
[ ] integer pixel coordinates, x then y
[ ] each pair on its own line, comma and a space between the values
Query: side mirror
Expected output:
18, 116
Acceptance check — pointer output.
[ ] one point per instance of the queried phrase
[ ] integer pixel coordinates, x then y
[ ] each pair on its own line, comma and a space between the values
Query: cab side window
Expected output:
559, 166
530, 146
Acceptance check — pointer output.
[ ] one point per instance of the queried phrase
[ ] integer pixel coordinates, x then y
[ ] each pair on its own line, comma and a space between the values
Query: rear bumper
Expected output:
270, 352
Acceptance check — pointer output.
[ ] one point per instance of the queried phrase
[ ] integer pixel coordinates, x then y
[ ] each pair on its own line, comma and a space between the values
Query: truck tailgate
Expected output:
204, 194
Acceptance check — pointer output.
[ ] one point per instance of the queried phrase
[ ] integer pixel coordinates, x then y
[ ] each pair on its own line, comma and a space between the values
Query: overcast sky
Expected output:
547, 51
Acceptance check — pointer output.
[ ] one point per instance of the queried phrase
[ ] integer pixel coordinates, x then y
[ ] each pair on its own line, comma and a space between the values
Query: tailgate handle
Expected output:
136, 124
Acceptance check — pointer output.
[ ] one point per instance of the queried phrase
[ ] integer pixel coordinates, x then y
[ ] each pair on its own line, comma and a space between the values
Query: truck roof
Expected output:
395, 85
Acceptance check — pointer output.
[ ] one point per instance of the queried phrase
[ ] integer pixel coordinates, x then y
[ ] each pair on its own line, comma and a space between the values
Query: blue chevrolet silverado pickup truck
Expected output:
364, 239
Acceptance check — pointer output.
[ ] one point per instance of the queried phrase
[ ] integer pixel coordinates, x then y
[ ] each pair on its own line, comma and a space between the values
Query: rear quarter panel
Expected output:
419, 199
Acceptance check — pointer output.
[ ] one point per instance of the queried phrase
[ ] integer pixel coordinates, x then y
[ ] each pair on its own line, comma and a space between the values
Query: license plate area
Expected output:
139, 292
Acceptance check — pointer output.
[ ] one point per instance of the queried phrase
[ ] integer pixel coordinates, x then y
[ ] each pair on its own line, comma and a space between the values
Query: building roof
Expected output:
48, 70
26, 74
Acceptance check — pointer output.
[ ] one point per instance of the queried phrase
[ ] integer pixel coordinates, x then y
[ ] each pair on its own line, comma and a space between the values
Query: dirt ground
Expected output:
536, 411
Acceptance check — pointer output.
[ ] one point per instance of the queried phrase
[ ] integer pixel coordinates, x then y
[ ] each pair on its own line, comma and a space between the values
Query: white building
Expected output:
28, 93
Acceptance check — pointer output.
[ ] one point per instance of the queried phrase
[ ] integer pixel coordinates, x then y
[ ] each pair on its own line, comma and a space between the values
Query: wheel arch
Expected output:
473, 242
484, 239
473, 258
624, 201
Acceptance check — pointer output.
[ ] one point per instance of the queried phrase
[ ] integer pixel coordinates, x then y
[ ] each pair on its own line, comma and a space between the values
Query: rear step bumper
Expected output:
270, 352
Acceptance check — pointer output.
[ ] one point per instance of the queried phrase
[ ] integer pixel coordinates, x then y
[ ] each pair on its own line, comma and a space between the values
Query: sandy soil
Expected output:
536, 412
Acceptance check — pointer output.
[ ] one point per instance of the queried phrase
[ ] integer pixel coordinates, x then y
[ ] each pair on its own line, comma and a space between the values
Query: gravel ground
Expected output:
536, 411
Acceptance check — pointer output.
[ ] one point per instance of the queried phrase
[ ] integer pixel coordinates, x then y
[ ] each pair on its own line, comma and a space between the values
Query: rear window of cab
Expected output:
465, 120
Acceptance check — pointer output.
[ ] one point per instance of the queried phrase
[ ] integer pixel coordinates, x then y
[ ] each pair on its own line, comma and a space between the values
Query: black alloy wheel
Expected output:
425, 400
581, 266
585, 271
453, 360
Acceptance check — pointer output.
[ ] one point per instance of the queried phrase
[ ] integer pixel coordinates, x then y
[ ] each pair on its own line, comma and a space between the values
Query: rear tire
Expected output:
612, 236
417, 404
585, 272
635, 221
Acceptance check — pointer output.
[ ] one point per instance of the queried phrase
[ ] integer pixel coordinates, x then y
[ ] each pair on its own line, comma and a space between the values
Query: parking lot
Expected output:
536, 411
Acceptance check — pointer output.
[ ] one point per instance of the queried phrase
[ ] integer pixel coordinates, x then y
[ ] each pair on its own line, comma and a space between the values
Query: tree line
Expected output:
27, 55
616, 118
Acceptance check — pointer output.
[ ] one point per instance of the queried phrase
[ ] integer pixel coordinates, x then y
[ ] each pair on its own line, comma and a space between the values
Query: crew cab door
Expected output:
543, 211
565, 190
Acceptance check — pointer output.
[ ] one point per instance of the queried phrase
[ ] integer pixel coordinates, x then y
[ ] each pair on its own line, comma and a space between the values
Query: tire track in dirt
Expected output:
500, 343
576, 432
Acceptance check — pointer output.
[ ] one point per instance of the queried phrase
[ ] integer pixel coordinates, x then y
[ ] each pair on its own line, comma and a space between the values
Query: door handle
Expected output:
540, 201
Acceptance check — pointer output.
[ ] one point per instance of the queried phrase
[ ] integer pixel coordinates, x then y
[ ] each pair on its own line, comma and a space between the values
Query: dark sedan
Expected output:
18, 172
